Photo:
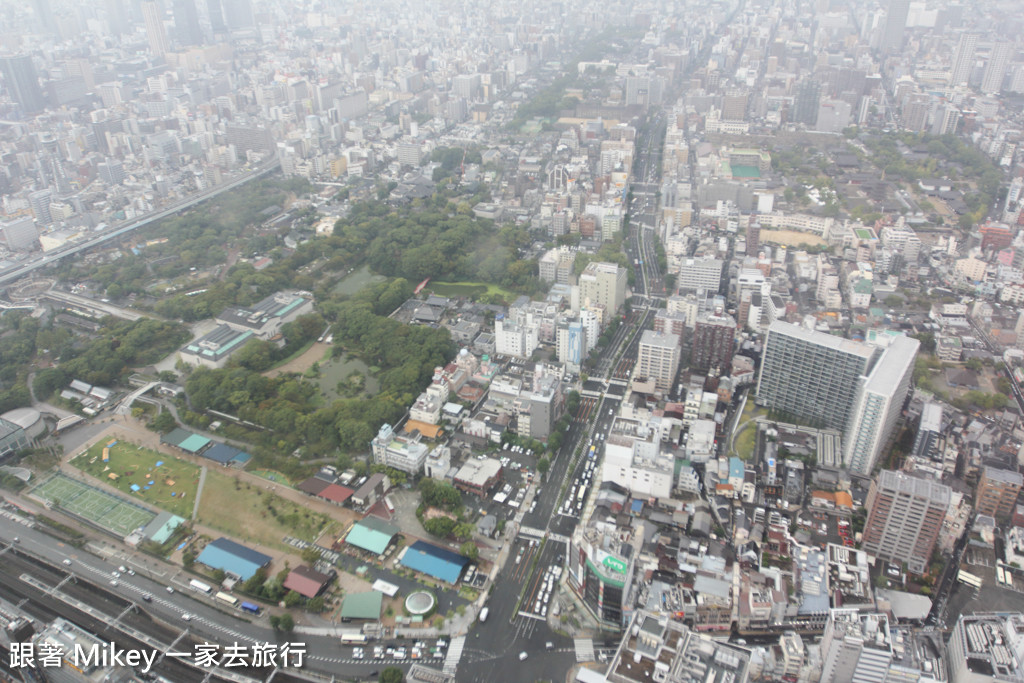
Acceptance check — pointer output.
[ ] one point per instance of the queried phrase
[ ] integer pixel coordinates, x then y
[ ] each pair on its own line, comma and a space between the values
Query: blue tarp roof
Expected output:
233, 558
434, 561
221, 453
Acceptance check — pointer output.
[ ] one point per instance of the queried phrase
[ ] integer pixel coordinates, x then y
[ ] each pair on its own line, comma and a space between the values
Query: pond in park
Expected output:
346, 377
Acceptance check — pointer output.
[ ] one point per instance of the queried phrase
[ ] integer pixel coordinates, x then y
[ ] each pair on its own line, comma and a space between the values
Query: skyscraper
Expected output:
186, 23
895, 24
603, 285
216, 15
963, 60
877, 405
812, 376
238, 14
714, 338
995, 70
155, 32
905, 517
658, 358
22, 83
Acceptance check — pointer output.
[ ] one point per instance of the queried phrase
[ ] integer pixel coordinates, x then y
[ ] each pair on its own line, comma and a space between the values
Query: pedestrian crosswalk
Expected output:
451, 662
584, 649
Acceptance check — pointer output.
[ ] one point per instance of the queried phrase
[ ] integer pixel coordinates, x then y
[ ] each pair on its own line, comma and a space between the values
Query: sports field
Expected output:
250, 513
161, 480
95, 505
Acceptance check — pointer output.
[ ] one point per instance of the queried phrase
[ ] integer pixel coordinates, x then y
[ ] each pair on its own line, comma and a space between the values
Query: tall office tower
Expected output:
753, 236
238, 14
963, 61
929, 433
904, 518
856, 647
895, 24
186, 23
997, 492
155, 31
995, 70
40, 203
806, 101
111, 172
215, 12
658, 358
117, 17
20, 234
734, 106
700, 274
22, 83
46, 20
877, 405
603, 285
812, 375
714, 339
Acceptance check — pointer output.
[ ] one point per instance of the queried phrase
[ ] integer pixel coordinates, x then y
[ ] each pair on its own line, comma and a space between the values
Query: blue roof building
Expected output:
434, 561
234, 558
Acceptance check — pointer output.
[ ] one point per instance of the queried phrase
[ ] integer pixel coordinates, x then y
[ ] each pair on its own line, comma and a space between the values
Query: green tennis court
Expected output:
103, 509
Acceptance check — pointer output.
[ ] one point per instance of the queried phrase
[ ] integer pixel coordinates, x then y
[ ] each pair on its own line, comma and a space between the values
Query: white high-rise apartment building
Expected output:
877, 405
658, 358
603, 285
995, 70
963, 61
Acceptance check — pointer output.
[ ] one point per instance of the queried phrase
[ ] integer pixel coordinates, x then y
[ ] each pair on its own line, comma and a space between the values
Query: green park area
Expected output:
472, 290
745, 437
143, 474
252, 514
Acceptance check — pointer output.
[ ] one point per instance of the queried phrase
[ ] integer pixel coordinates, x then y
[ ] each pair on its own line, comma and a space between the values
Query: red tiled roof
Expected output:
306, 582
336, 493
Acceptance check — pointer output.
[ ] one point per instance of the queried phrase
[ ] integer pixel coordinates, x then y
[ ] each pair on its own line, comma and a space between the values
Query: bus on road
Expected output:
200, 586
352, 639
226, 598
250, 607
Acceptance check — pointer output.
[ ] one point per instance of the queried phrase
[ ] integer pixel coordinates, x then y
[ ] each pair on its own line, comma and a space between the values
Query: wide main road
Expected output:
119, 231
163, 615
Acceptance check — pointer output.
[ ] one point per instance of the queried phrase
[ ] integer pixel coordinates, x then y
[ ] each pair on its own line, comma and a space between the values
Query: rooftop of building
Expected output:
992, 643
900, 482
660, 649
1003, 476
477, 471
665, 340
829, 341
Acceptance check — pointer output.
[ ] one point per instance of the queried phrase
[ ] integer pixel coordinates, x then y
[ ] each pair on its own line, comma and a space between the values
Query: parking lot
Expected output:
825, 527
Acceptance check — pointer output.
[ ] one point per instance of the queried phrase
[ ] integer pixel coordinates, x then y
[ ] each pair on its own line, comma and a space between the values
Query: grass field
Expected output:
746, 433
93, 504
469, 289
271, 475
171, 486
253, 514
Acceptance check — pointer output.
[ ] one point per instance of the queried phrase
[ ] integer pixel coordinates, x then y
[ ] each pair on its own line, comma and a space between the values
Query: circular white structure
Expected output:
419, 603
28, 419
